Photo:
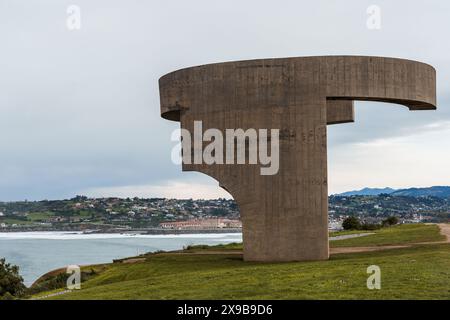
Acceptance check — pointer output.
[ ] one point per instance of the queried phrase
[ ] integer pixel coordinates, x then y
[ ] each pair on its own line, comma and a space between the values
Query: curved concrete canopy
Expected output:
406, 82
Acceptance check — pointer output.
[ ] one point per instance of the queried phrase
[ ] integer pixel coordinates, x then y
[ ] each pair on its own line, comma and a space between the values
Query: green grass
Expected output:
36, 217
417, 272
30, 219
396, 235
11, 221
39, 216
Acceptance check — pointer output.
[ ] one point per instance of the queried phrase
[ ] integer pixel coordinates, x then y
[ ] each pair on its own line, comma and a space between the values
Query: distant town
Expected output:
117, 215
159, 215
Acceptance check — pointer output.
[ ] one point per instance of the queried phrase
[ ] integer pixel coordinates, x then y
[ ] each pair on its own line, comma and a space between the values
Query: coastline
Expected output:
49, 250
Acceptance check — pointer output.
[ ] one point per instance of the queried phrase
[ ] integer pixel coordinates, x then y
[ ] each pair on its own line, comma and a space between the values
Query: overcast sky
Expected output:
79, 109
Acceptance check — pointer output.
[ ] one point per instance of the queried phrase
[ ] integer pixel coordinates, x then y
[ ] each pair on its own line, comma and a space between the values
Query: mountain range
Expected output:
436, 191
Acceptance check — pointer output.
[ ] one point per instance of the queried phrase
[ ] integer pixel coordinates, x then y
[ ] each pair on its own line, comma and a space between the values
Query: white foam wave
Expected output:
90, 236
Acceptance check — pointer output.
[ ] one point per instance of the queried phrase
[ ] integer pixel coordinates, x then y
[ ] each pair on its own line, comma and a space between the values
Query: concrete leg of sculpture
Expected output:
291, 206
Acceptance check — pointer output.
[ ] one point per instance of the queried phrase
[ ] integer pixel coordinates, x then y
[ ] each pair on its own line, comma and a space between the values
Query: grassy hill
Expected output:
421, 271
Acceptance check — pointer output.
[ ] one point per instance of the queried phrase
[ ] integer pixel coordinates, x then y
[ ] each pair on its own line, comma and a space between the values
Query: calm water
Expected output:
39, 252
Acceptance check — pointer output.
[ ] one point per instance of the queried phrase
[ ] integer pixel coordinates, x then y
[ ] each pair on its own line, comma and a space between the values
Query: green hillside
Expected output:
420, 271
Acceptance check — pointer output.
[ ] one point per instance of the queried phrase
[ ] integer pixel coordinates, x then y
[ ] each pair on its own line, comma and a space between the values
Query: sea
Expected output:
37, 253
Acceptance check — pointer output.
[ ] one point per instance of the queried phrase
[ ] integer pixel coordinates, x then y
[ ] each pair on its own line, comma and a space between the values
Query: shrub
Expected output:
7, 296
351, 223
390, 221
11, 283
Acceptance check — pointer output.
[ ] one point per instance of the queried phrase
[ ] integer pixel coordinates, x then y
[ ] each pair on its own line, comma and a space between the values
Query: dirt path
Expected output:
350, 236
445, 230
365, 249
51, 295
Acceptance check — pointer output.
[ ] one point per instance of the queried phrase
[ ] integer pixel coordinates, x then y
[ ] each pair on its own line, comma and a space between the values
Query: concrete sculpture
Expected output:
285, 215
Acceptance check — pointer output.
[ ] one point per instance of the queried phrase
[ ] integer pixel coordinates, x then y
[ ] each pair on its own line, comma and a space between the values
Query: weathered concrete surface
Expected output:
285, 215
